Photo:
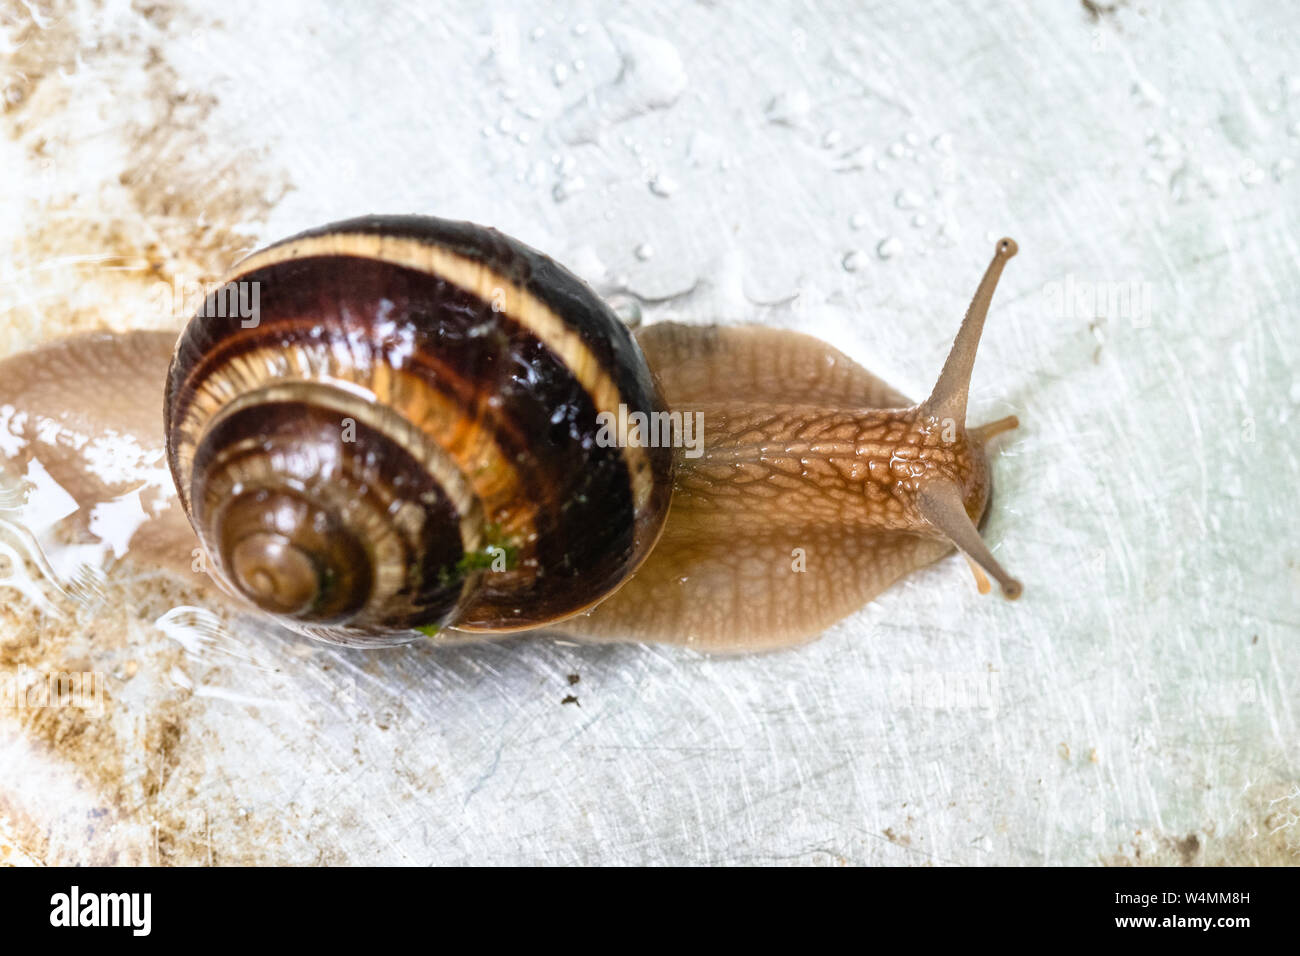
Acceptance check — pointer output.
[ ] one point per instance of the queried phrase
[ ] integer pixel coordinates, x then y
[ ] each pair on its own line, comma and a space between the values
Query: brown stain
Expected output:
1096, 11
163, 742
169, 200
118, 767
1187, 848
19, 636
175, 210
142, 770
43, 40
899, 840
1267, 834
901, 836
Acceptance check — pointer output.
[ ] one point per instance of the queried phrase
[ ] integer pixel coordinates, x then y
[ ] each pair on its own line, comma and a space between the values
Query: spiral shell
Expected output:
402, 432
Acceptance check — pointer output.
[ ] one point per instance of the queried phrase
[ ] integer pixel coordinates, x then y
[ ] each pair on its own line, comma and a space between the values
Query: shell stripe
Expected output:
251, 382
234, 453
492, 288
252, 373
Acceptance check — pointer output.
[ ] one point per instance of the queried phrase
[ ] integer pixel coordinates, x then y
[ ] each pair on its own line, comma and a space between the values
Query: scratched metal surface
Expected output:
837, 168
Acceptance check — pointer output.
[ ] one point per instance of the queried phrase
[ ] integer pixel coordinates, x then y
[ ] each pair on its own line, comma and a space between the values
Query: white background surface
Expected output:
1138, 704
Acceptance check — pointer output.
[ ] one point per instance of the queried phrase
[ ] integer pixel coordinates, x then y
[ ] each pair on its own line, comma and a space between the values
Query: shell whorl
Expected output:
404, 433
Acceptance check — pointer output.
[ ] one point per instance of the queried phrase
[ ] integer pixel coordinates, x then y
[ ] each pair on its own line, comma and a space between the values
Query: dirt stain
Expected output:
127, 174
129, 183
1267, 834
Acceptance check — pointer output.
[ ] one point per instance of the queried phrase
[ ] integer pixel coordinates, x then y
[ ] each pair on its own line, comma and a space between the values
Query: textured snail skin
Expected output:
407, 438
416, 398
819, 486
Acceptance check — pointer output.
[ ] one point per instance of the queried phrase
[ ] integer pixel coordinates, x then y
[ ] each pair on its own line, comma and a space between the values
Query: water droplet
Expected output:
857, 220
626, 307
567, 187
663, 185
1282, 168
831, 139
789, 108
1153, 174
1144, 94
1242, 122
889, 247
912, 139
906, 199
896, 150
559, 73
538, 33
942, 143
645, 251
852, 260
1163, 146
919, 220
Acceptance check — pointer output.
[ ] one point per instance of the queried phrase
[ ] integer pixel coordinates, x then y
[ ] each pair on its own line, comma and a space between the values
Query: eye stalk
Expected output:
948, 400
940, 501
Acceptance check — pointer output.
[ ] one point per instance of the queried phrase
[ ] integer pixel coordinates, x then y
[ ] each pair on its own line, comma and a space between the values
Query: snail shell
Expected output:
405, 435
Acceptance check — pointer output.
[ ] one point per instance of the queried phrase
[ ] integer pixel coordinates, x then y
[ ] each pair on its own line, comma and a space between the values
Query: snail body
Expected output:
413, 433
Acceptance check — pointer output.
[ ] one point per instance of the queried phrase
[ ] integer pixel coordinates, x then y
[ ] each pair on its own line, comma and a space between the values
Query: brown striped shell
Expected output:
399, 430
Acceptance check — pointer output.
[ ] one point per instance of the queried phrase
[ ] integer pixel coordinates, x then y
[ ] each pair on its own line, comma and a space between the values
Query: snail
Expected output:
426, 426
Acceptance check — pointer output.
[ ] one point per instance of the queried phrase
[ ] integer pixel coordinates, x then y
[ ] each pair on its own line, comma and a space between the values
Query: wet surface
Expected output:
841, 170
